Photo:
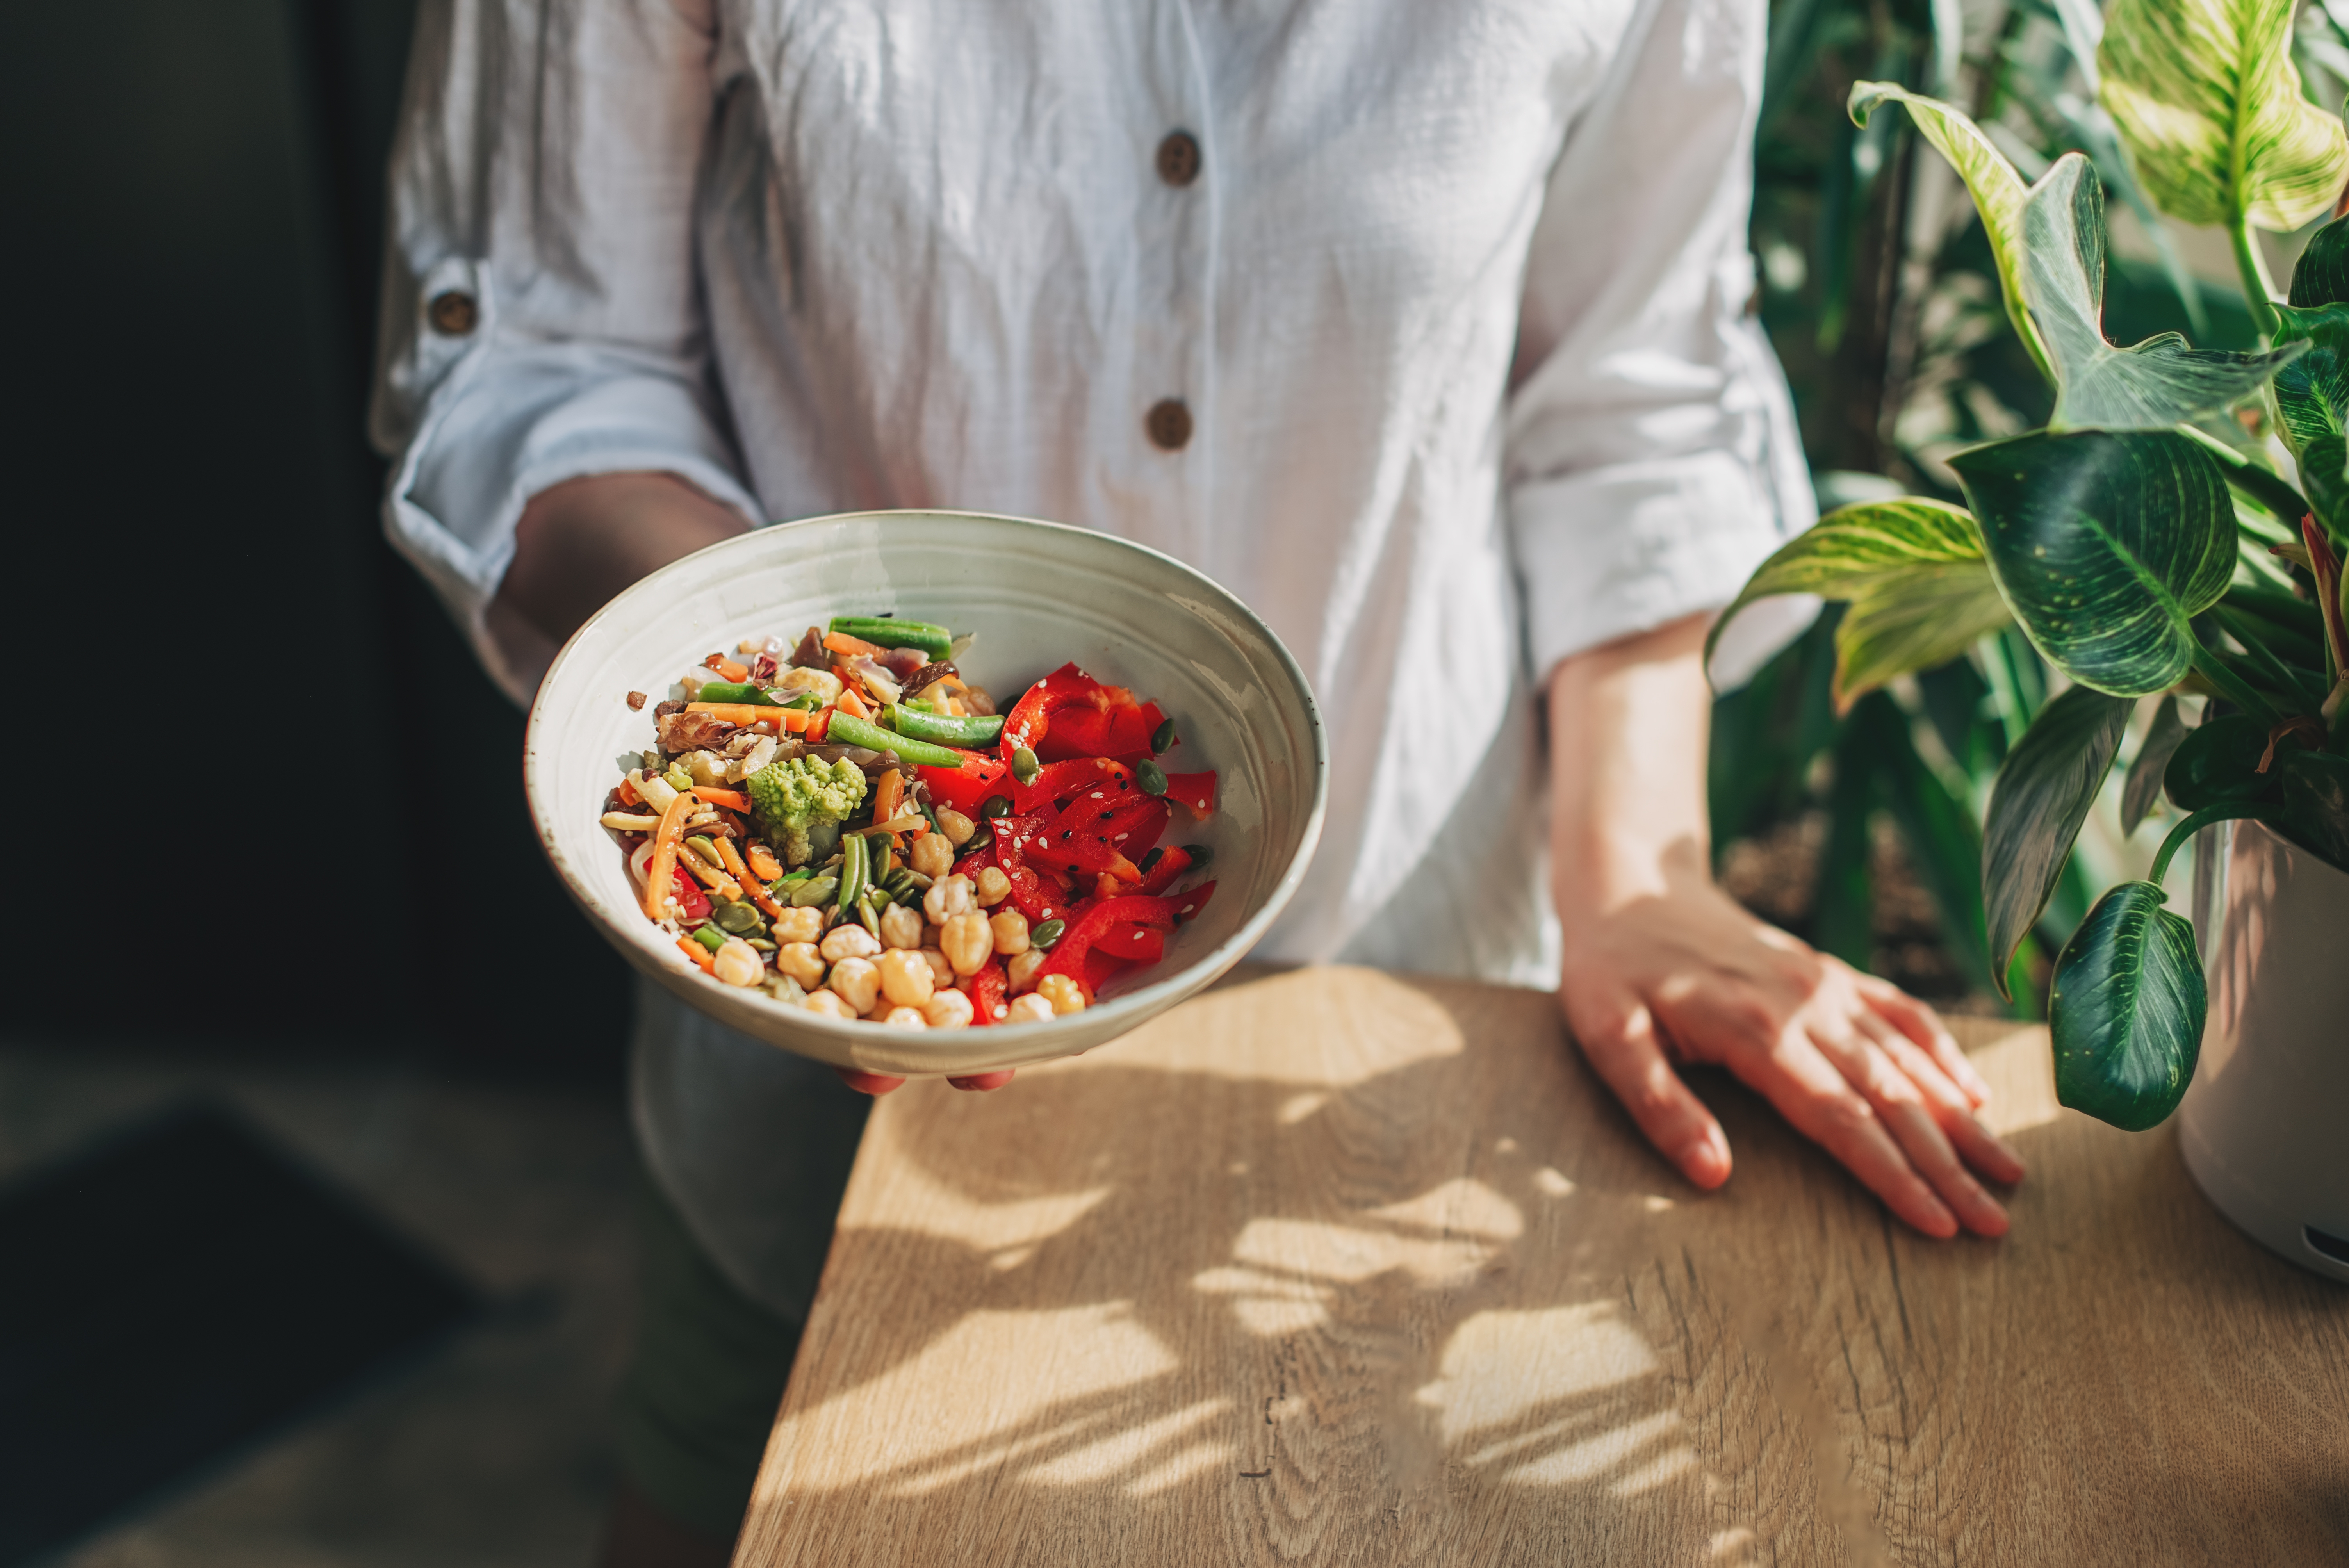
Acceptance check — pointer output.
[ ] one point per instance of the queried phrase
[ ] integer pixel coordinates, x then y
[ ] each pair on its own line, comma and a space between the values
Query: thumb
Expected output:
1622, 1047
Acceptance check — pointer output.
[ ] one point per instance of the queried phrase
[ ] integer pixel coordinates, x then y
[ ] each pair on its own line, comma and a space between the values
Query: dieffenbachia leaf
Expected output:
2157, 384
2321, 277
2041, 797
2209, 105
2316, 804
1997, 189
2312, 404
2142, 786
1913, 573
2105, 544
2126, 1009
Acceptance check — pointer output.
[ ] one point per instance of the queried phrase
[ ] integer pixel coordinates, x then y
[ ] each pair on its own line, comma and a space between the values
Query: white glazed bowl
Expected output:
1038, 595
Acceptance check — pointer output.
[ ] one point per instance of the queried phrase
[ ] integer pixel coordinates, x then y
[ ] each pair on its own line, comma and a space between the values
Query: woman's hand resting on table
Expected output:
1661, 967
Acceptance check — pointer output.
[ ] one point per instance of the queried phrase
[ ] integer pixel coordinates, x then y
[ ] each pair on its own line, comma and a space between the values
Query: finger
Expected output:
1900, 1106
1626, 1053
1921, 1024
1811, 1093
876, 1084
983, 1083
1979, 1147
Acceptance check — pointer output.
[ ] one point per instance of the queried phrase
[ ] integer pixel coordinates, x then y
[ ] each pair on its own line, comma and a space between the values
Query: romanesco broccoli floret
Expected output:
792, 796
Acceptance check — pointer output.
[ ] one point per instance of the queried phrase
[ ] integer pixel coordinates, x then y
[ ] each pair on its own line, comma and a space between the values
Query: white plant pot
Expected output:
2265, 1124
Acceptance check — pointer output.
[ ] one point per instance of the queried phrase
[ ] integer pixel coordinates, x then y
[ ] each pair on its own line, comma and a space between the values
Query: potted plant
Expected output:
2175, 530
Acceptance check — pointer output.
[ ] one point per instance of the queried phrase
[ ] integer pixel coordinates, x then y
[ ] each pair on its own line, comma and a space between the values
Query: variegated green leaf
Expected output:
1997, 189
2042, 796
2162, 739
2105, 544
2209, 105
1913, 573
2321, 277
2312, 404
2126, 1009
2158, 383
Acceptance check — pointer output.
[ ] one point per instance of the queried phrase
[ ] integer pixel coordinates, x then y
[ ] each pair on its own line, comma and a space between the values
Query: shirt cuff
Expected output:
500, 431
1611, 552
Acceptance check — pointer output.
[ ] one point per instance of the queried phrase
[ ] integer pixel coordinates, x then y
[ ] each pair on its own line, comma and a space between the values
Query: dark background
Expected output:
282, 807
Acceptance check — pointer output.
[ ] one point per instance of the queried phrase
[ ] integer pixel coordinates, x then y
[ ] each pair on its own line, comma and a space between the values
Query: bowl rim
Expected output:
1140, 1004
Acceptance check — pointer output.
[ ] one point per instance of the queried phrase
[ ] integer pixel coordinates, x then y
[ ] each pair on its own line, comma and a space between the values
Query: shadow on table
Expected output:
1436, 1295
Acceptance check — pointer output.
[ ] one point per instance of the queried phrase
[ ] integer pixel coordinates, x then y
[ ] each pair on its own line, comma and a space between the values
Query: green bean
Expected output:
1046, 934
1024, 765
1162, 739
710, 937
967, 733
888, 632
800, 875
848, 731
734, 691
1151, 776
852, 873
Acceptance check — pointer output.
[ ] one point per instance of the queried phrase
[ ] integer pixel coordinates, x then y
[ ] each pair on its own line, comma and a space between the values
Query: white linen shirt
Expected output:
1457, 303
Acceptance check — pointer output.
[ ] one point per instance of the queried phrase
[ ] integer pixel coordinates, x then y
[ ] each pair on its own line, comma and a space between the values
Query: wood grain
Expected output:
1334, 1268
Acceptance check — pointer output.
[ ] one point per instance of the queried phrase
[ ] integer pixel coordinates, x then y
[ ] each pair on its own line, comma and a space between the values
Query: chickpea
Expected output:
948, 896
800, 925
941, 971
1010, 929
992, 887
966, 942
855, 982
931, 855
1063, 993
1028, 1009
955, 827
906, 1018
950, 1010
930, 933
832, 1006
849, 940
905, 977
738, 964
901, 926
1021, 970
803, 961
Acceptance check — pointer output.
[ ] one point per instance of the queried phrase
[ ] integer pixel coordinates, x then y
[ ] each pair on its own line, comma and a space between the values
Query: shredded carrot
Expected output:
753, 887
660, 871
628, 794
841, 643
763, 864
819, 725
852, 705
727, 667
698, 954
732, 800
731, 858
709, 876
743, 713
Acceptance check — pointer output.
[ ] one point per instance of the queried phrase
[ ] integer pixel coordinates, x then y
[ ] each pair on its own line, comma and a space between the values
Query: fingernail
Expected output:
1703, 1161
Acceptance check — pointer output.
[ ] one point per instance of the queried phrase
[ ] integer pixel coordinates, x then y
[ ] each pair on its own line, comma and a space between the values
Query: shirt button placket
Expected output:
1168, 421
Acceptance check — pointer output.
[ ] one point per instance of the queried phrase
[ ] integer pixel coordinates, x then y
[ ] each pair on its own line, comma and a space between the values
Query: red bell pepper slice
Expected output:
1135, 944
692, 904
1076, 943
1060, 785
1092, 838
1161, 876
1193, 791
968, 789
1031, 894
1070, 715
988, 991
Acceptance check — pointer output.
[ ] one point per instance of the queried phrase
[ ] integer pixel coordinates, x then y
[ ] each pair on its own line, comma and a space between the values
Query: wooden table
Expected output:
1334, 1267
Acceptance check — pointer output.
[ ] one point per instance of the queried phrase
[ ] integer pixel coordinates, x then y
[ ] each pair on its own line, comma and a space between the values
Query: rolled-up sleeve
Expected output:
1652, 457
542, 318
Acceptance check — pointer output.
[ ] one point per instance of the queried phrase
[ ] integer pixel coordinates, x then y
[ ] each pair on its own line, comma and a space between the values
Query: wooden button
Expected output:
453, 314
1178, 159
1169, 423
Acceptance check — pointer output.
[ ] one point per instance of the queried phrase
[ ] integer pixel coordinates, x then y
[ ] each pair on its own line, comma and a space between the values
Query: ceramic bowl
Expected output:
1038, 595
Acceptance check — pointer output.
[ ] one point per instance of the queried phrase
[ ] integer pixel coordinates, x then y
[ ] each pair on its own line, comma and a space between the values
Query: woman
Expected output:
1421, 328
